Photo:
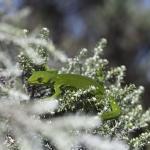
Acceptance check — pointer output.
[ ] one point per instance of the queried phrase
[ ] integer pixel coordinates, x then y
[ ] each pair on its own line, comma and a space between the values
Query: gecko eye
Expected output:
40, 79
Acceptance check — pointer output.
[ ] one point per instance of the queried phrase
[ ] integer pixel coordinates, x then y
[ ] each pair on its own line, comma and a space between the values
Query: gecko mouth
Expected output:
38, 81
35, 83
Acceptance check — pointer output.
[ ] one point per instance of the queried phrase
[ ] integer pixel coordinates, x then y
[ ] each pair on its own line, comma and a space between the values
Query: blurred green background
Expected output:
75, 24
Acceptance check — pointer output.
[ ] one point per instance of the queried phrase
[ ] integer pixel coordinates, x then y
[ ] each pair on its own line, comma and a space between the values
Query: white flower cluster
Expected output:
87, 65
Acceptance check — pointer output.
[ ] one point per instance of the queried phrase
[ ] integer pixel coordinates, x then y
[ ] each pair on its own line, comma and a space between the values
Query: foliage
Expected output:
31, 120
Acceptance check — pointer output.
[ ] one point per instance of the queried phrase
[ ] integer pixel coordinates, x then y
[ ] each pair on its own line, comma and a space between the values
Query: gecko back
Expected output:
78, 82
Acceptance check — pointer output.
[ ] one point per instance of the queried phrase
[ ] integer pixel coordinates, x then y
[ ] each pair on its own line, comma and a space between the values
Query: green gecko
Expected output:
76, 81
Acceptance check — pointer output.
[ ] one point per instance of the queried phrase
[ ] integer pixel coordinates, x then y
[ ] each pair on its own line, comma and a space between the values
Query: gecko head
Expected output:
41, 77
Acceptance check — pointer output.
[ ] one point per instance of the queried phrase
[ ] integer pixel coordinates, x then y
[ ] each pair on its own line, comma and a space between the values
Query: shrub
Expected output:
30, 119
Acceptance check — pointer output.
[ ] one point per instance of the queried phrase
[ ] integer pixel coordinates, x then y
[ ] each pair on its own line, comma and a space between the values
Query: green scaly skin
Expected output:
76, 81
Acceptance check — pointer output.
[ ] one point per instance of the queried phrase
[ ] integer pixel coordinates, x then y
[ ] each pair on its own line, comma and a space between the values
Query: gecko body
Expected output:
76, 81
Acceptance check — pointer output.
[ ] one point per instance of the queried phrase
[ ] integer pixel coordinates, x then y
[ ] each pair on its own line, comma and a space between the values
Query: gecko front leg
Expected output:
57, 89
